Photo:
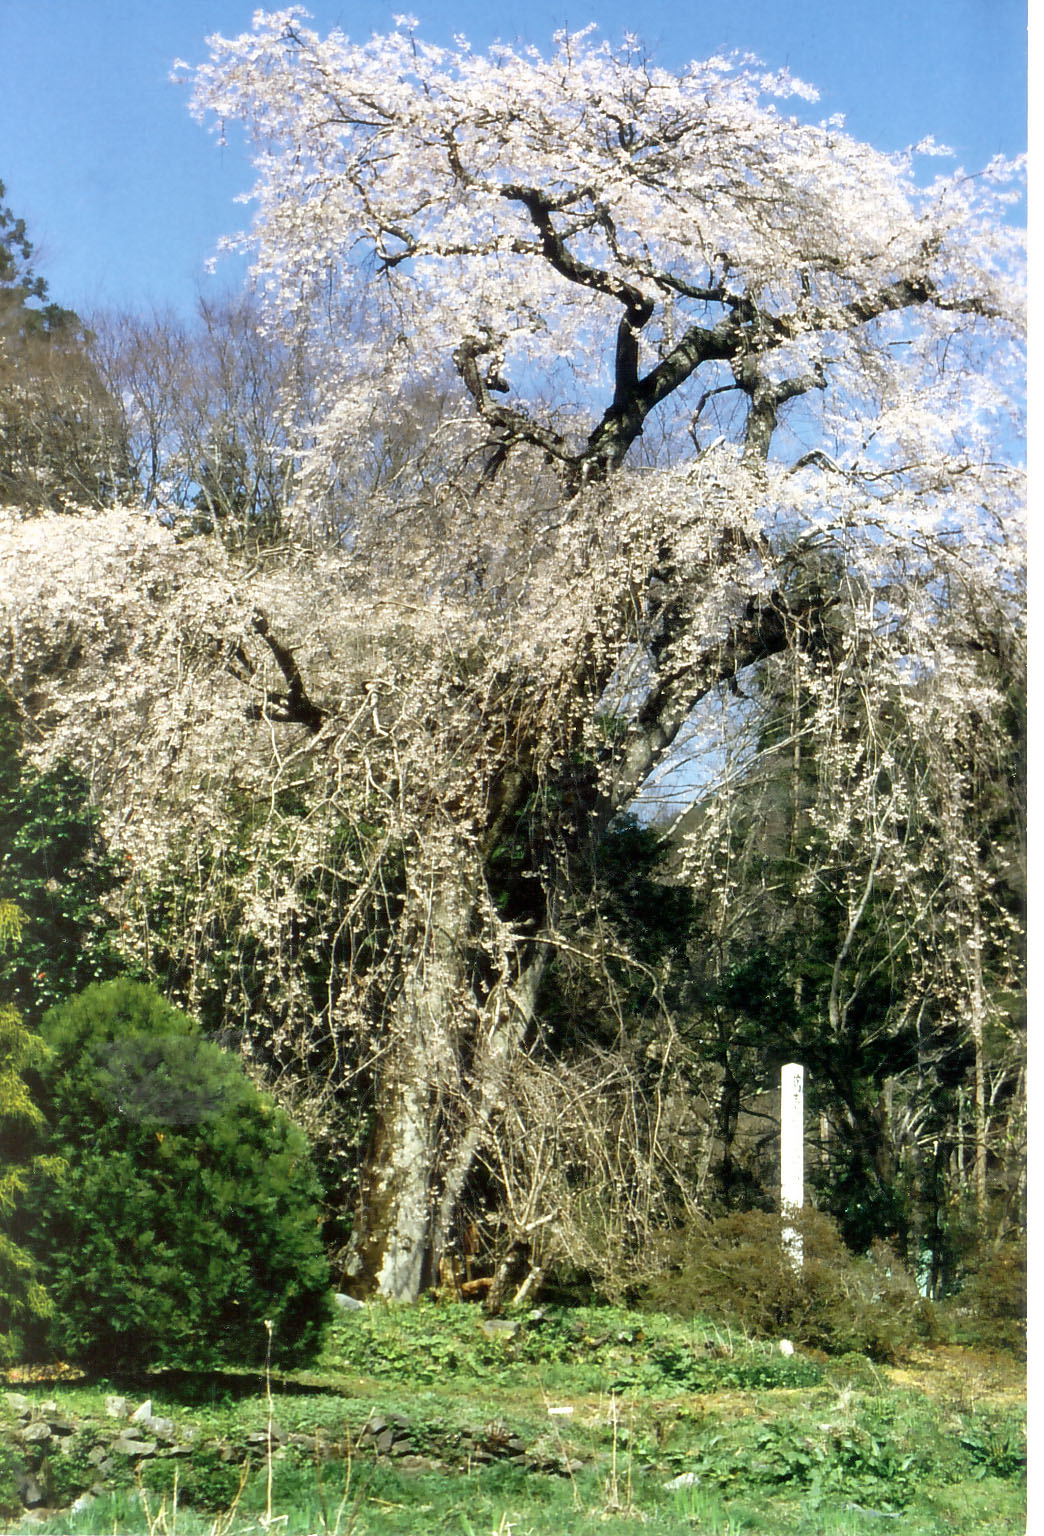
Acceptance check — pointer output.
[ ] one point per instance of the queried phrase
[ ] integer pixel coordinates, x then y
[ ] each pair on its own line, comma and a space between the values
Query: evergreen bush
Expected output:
188, 1213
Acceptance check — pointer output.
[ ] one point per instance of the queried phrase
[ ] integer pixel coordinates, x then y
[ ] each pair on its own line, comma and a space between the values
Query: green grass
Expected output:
777, 1444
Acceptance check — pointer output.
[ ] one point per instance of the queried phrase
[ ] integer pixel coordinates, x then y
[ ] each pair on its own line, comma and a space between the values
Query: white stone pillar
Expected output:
792, 1155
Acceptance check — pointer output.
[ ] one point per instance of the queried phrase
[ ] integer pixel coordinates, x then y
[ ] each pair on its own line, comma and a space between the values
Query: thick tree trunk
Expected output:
450, 1052
390, 1242
508, 1014
441, 1081
978, 1033
418, 1082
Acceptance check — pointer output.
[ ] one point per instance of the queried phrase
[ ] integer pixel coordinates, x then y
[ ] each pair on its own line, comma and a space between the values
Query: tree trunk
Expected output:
440, 1082
451, 1047
390, 1242
978, 1030
503, 1027
418, 1083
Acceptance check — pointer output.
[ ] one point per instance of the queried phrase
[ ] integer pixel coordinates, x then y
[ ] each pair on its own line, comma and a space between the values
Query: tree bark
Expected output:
417, 1085
441, 1082
389, 1253
978, 1019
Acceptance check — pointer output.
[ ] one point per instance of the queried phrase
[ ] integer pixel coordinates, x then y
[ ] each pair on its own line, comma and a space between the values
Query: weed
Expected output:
997, 1448
705, 1510
11, 1466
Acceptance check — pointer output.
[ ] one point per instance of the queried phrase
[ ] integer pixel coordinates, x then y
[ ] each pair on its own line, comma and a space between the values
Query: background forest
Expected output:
548, 652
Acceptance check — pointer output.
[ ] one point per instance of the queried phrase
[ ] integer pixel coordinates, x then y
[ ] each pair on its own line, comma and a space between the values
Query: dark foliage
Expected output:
187, 1219
56, 869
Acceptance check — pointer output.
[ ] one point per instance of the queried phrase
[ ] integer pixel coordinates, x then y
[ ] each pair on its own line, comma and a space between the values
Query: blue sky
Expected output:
126, 196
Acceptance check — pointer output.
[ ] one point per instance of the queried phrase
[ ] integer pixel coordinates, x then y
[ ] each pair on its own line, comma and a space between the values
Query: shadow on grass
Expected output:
197, 1388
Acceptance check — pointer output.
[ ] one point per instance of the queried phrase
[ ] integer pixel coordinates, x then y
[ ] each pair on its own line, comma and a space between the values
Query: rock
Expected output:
348, 1303
143, 1414
163, 1429
499, 1328
379, 1421
785, 1347
410, 1463
83, 1502
126, 1446
117, 1407
36, 1433
17, 1403
261, 1436
29, 1490
388, 1434
59, 1425
683, 1480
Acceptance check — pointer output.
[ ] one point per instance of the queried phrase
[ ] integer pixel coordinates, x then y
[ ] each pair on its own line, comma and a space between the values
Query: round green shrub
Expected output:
187, 1218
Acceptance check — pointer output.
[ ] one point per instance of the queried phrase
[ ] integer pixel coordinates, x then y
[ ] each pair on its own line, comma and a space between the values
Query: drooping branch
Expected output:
625, 419
512, 426
744, 337
567, 264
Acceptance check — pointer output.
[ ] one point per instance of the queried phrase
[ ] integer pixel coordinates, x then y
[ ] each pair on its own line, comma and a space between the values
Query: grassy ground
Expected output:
582, 1421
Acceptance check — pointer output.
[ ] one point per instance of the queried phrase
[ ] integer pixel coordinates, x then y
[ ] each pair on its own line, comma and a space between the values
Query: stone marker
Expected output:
792, 1156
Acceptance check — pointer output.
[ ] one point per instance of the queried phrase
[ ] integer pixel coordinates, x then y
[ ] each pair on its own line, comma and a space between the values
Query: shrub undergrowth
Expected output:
737, 1268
